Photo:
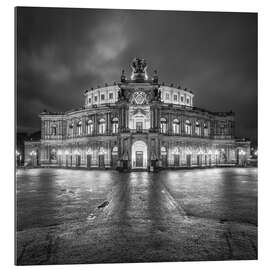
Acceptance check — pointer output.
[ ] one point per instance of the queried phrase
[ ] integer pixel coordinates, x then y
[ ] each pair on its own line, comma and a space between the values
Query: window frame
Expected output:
115, 125
163, 125
101, 126
188, 125
79, 128
176, 126
89, 127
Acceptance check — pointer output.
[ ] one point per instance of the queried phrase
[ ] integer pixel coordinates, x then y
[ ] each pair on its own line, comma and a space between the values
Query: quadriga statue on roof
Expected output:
139, 67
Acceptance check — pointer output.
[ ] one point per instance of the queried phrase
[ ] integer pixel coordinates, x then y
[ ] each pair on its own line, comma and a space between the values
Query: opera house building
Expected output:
137, 124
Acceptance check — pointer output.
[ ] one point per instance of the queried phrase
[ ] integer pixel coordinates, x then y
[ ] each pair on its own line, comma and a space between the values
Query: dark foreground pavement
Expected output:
68, 216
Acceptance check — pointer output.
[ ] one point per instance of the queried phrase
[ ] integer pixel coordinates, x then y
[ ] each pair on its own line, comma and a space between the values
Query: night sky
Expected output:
63, 52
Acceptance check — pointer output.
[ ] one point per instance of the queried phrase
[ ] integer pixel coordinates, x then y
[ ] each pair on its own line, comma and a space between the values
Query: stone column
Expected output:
109, 123
170, 123
95, 125
152, 117
126, 117
157, 119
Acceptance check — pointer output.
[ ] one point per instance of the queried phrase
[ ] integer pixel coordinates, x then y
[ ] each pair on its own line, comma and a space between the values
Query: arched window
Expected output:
163, 125
197, 128
53, 130
70, 129
101, 126
89, 127
79, 128
176, 126
115, 125
205, 130
188, 127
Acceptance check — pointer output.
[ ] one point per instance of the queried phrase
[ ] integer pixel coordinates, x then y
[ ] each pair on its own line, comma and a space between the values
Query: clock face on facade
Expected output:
139, 97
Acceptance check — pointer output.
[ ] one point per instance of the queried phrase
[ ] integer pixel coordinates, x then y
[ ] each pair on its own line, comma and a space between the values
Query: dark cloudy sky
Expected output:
62, 52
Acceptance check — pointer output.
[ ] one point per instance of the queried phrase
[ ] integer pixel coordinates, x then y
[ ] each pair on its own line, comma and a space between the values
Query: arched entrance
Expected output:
139, 155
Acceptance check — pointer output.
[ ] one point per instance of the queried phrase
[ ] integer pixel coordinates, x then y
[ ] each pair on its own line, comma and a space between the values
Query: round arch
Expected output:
139, 154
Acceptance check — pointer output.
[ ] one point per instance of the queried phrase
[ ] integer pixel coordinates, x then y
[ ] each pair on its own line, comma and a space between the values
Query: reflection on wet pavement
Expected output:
70, 216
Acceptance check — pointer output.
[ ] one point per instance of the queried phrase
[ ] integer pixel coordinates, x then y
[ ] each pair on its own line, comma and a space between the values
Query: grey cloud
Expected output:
62, 52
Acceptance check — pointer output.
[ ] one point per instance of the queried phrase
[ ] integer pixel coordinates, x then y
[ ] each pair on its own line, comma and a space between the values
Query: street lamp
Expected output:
18, 156
242, 153
101, 151
33, 153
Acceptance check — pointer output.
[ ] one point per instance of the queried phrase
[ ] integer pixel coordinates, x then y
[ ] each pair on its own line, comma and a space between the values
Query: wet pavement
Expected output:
72, 216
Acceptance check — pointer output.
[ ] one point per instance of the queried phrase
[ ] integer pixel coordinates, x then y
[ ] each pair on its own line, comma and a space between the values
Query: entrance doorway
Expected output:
188, 160
139, 126
139, 155
88, 161
164, 161
139, 159
78, 160
101, 161
176, 160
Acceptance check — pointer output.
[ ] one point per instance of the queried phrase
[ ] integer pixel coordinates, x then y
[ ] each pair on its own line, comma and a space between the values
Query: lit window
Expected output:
205, 130
101, 126
176, 126
79, 128
115, 125
89, 127
197, 128
70, 132
175, 97
102, 97
163, 125
188, 127
110, 95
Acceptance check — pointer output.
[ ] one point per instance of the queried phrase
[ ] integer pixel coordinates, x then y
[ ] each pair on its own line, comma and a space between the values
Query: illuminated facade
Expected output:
137, 124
